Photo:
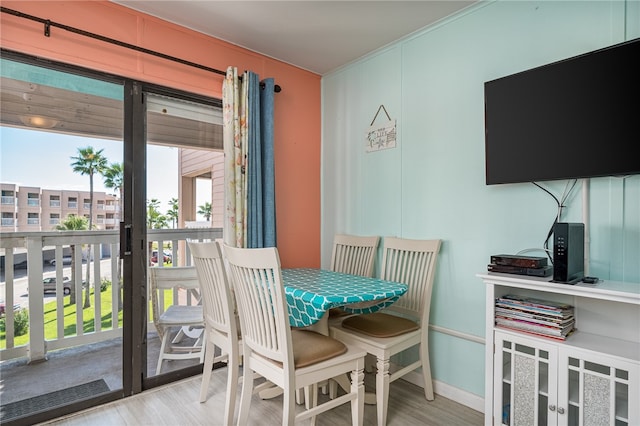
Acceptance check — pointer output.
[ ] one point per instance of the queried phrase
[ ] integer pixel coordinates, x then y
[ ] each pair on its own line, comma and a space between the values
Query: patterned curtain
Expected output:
249, 165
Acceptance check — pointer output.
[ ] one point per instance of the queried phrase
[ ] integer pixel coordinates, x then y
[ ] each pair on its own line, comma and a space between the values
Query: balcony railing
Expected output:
105, 250
54, 203
8, 200
32, 202
8, 221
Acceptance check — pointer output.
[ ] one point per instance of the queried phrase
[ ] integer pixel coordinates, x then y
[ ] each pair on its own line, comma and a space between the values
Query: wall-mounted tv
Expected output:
576, 118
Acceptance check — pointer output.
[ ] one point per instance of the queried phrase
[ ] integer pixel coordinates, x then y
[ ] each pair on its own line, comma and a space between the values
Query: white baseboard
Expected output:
460, 396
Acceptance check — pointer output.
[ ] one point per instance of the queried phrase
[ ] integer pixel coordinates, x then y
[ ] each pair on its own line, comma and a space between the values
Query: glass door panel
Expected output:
61, 180
184, 185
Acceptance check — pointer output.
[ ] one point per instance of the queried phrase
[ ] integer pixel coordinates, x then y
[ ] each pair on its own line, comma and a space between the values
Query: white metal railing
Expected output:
5, 199
54, 203
33, 221
72, 204
32, 202
105, 250
7, 221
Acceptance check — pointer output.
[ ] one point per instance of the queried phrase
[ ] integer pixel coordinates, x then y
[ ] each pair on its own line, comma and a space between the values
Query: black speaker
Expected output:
568, 252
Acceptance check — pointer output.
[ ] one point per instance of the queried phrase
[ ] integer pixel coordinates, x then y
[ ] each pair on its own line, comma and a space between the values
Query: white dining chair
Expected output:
290, 359
355, 255
179, 318
221, 326
402, 325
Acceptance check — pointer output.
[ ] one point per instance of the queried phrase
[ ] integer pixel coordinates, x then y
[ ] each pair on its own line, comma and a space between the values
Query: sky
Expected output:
43, 159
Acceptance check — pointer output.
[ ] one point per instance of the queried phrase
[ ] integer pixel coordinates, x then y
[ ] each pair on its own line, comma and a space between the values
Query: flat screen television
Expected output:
575, 118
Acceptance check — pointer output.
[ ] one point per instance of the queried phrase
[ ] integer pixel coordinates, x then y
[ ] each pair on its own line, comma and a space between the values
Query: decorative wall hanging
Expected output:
381, 136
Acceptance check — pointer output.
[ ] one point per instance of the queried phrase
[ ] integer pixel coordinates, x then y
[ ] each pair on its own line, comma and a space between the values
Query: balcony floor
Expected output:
74, 366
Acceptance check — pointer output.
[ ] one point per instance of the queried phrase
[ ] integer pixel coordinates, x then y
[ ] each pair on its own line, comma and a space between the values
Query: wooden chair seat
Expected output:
310, 347
380, 324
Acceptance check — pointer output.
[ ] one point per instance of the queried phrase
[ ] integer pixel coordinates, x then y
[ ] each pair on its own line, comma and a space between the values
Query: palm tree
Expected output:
89, 162
173, 212
74, 223
155, 220
114, 179
205, 210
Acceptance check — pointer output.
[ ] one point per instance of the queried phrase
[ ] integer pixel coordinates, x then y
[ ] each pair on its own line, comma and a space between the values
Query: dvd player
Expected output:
522, 261
545, 271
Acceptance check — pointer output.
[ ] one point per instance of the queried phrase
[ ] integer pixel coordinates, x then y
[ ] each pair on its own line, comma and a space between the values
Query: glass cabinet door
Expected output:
527, 382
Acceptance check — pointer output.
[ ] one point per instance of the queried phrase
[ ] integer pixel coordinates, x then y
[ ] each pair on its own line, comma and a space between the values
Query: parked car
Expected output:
154, 256
16, 307
66, 260
49, 284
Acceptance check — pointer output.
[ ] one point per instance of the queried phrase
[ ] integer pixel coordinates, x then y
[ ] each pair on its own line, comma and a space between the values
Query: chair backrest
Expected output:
354, 254
166, 278
217, 299
262, 306
411, 262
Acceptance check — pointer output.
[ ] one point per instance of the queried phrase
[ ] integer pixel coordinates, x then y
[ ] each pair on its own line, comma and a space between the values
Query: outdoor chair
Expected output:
183, 319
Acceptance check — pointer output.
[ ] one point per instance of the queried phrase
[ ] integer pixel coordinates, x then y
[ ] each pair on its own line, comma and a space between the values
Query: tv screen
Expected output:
576, 118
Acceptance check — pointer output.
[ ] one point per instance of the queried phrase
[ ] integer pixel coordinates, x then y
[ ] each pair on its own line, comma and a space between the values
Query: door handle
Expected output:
125, 240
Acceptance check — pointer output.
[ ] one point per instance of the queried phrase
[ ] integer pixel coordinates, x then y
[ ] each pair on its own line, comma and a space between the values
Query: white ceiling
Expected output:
318, 36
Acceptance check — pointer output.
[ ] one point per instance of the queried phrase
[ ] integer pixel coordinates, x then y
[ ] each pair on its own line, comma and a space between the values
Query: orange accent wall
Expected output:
297, 106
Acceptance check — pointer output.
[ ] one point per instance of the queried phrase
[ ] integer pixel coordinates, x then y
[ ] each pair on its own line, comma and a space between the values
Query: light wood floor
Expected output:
177, 404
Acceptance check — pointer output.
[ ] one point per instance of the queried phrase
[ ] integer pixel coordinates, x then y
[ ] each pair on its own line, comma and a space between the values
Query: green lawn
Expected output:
51, 321
50, 318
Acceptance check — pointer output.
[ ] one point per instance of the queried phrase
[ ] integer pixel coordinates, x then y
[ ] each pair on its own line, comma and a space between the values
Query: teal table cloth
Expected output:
312, 292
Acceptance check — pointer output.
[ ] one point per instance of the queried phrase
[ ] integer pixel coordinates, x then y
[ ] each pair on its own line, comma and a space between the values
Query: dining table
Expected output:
311, 292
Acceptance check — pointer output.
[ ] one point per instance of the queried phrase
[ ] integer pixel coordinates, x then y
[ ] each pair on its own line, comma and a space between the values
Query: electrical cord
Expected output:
563, 198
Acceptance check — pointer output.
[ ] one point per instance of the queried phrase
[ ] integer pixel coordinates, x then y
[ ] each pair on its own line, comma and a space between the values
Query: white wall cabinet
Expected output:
592, 378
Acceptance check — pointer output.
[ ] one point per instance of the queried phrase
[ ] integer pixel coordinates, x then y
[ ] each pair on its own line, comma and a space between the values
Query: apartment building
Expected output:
30, 208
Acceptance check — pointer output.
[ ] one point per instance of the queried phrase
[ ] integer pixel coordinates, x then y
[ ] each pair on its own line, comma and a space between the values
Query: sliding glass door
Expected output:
102, 178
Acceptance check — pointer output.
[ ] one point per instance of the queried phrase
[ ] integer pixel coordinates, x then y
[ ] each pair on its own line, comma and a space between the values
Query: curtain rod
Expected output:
47, 32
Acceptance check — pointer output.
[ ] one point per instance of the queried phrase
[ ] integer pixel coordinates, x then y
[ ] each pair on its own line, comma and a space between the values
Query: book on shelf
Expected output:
554, 322
533, 333
538, 328
539, 317
534, 305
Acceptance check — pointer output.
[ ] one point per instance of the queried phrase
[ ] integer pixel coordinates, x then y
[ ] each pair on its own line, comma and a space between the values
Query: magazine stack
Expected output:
535, 316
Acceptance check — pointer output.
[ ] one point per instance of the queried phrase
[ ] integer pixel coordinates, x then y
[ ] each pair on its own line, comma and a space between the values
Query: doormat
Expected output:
39, 403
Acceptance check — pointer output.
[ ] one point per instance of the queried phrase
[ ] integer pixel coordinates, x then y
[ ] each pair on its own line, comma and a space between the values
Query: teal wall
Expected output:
432, 184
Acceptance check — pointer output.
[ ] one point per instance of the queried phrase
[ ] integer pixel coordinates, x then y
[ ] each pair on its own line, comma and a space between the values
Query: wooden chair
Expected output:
402, 325
355, 255
183, 318
270, 350
220, 321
